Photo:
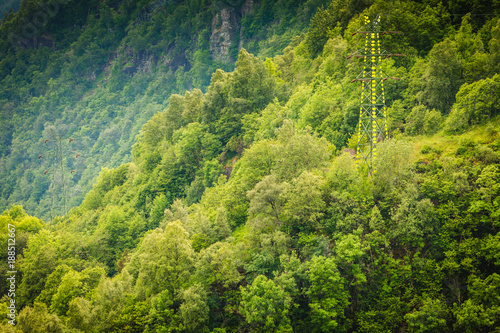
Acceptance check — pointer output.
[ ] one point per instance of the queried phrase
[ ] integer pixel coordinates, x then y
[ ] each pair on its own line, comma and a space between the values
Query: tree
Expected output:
430, 317
251, 86
471, 51
162, 317
216, 266
266, 306
267, 250
221, 227
52, 284
413, 219
194, 308
476, 103
75, 284
304, 203
166, 261
432, 122
39, 320
481, 311
328, 297
297, 151
442, 77
107, 304
266, 201
337, 14
487, 202
38, 263
79, 314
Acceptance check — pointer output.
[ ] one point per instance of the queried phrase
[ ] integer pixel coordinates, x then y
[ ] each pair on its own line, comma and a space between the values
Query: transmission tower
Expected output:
372, 126
57, 147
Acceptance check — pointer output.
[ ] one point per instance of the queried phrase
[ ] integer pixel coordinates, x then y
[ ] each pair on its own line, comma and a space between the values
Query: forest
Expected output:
215, 188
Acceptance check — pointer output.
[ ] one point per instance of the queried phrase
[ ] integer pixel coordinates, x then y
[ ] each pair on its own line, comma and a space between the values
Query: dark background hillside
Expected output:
7, 5
99, 70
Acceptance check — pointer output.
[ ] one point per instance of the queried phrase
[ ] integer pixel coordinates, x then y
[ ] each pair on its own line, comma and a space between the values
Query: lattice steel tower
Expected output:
372, 126
56, 150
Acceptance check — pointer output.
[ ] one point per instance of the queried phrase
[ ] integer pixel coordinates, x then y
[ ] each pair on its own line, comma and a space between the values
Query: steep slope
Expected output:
98, 70
240, 212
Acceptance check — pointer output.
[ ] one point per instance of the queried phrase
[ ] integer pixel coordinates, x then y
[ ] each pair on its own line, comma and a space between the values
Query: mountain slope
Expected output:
242, 210
99, 77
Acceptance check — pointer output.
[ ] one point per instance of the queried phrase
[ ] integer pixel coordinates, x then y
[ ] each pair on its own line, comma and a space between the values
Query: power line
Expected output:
372, 125
57, 147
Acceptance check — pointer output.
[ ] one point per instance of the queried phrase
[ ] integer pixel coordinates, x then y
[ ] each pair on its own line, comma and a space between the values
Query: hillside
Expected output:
8, 5
240, 209
98, 70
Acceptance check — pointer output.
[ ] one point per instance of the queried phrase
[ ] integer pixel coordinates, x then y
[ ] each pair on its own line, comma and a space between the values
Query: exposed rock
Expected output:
32, 42
350, 151
145, 63
225, 28
129, 69
175, 60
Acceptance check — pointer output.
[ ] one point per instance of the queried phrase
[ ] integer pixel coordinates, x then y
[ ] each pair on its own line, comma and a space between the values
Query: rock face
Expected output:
225, 29
31, 42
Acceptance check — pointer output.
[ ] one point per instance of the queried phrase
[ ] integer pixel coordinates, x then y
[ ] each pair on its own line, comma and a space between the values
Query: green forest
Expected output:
210, 185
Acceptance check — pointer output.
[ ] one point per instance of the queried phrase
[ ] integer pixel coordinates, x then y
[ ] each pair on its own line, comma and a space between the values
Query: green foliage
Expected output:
441, 80
265, 306
432, 122
72, 285
415, 120
476, 103
194, 309
39, 262
38, 320
165, 260
238, 207
336, 15
328, 298
430, 317
480, 312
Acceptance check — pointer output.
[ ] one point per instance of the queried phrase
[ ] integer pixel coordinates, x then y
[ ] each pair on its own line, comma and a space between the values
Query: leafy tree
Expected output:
166, 261
338, 13
266, 201
480, 311
74, 284
162, 316
413, 218
194, 308
216, 266
471, 49
268, 247
38, 263
328, 298
79, 314
487, 203
297, 151
476, 103
442, 77
107, 304
304, 204
266, 306
430, 317
221, 226
52, 284
38, 320
415, 120
432, 122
